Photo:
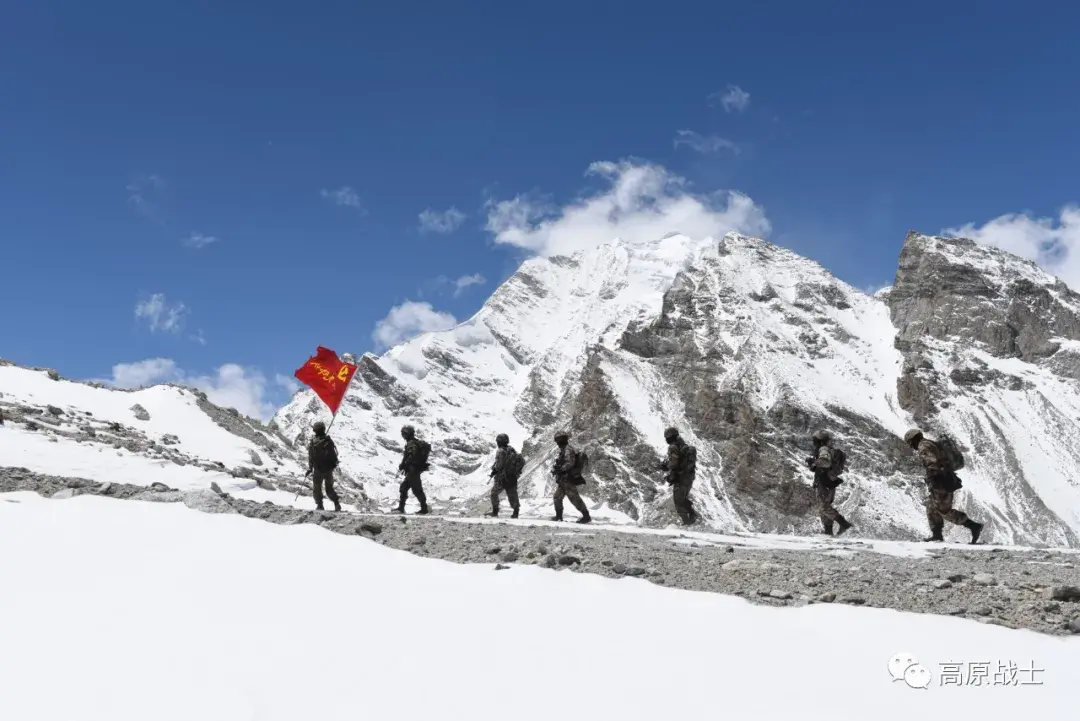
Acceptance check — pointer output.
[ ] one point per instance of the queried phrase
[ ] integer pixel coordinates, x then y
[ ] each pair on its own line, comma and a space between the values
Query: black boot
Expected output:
318, 506
585, 519
515, 513
557, 517
492, 514
424, 510
935, 535
975, 528
337, 506
844, 525
399, 509
827, 525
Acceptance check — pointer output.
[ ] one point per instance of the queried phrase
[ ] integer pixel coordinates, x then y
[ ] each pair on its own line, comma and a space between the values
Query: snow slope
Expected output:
193, 636
97, 436
747, 348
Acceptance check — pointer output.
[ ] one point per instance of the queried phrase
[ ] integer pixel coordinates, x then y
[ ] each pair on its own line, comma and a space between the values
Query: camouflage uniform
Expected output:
939, 477
681, 480
566, 483
501, 484
825, 486
412, 469
322, 476
940, 480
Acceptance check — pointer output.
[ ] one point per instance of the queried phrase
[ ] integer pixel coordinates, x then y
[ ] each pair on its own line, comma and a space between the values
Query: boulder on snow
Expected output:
54, 375
256, 460
140, 413
207, 501
159, 486
54, 410
63, 493
215, 487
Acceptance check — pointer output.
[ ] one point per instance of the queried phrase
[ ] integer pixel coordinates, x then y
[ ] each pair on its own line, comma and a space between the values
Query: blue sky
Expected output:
213, 189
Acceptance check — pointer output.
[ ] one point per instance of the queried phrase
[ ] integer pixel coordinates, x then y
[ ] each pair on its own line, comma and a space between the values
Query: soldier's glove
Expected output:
308, 473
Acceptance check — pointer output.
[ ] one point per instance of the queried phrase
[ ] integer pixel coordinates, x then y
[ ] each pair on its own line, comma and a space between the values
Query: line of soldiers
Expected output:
940, 460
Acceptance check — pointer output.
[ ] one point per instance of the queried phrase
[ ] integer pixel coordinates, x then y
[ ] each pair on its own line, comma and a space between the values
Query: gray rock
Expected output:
510, 557
618, 568
729, 549
956, 611
941, 583
54, 410
811, 582
982, 610
782, 595
550, 561
53, 375
1073, 625
739, 564
956, 577
256, 460
371, 527
105, 488
826, 598
215, 487
158, 486
140, 412
1052, 607
493, 550
500, 567
207, 501
241, 472
853, 600
63, 493
984, 579
569, 560
635, 571
1063, 593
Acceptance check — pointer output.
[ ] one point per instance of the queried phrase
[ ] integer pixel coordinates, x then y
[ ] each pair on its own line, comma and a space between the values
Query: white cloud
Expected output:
410, 319
644, 202
704, 143
1053, 243
344, 197
145, 195
144, 372
463, 282
734, 99
444, 221
230, 386
198, 240
160, 314
198, 337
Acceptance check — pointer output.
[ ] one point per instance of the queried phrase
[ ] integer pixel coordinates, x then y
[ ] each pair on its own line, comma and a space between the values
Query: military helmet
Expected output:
318, 427
408, 430
562, 436
911, 435
671, 434
822, 436
502, 439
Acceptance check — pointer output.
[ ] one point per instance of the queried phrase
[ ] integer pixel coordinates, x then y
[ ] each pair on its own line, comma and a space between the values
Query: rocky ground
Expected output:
1032, 589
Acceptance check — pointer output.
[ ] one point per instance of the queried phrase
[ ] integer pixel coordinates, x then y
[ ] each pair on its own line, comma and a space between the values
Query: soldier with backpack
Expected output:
506, 471
322, 460
681, 468
414, 461
941, 459
568, 471
827, 463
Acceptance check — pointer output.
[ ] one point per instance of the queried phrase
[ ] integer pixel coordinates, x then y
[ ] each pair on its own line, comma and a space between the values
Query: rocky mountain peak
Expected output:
748, 348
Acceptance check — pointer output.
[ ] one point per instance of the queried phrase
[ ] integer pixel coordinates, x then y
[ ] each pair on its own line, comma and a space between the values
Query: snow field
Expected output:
222, 618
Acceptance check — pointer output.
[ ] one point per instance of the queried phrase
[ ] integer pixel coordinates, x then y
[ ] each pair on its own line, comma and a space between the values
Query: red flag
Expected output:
327, 375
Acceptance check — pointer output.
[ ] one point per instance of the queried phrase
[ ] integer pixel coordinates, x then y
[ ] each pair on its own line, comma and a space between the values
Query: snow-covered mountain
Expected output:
747, 348
165, 434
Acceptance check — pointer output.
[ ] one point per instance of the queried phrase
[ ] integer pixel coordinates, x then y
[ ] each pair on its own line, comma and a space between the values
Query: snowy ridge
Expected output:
747, 348
176, 437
